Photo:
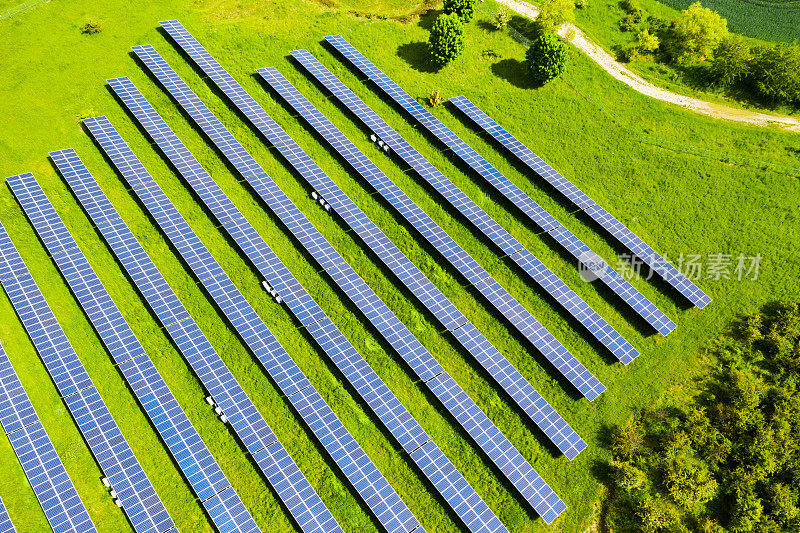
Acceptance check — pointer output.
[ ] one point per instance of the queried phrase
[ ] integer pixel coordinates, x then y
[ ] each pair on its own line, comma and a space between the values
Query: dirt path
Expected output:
620, 72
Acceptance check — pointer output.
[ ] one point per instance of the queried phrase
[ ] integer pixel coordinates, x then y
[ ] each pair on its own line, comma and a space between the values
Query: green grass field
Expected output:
53, 75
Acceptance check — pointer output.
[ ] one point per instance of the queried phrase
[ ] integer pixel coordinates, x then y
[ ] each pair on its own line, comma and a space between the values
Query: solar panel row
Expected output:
630, 240
258, 439
377, 395
370, 483
139, 500
644, 307
5, 521
184, 443
298, 299
523, 393
539, 273
49, 480
522, 320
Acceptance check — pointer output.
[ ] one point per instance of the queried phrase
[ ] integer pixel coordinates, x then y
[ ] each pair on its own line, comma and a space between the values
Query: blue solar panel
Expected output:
53, 488
625, 236
263, 344
109, 447
395, 417
260, 442
470, 338
644, 307
295, 296
522, 320
502, 239
5, 521
184, 443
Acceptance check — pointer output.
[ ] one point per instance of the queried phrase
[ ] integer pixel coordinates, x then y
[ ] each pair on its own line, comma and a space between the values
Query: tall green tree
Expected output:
465, 9
546, 58
446, 41
696, 33
553, 14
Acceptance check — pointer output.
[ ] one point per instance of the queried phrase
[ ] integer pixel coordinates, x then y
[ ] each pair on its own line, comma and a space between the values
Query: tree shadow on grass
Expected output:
417, 56
514, 72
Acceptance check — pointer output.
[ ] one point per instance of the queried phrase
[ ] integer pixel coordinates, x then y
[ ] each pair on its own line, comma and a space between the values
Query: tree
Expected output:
696, 33
776, 72
465, 9
690, 483
447, 39
646, 42
546, 58
731, 61
553, 15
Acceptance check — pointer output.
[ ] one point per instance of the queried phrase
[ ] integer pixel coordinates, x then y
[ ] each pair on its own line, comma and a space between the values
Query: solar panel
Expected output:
296, 297
176, 430
418, 284
373, 487
139, 500
49, 480
250, 427
571, 243
625, 236
522, 320
502, 239
5, 521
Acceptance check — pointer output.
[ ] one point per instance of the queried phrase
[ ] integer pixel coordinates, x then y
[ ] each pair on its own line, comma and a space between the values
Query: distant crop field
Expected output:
773, 20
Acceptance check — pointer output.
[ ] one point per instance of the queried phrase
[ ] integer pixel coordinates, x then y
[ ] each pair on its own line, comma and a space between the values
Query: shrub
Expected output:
629, 22
501, 19
435, 99
696, 33
731, 61
447, 39
91, 27
657, 25
581, 4
626, 476
546, 58
553, 15
776, 72
646, 43
465, 9
631, 6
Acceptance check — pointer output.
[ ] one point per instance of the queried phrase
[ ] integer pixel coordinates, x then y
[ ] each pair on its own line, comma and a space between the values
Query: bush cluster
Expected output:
729, 460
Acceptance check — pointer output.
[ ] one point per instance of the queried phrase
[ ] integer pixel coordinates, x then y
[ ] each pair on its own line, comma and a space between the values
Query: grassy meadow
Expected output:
679, 203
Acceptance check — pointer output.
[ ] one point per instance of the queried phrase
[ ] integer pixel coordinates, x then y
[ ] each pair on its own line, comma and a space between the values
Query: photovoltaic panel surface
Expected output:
518, 388
373, 487
52, 486
394, 416
184, 443
139, 500
250, 427
510, 246
5, 521
523, 321
306, 309
571, 243
630, 240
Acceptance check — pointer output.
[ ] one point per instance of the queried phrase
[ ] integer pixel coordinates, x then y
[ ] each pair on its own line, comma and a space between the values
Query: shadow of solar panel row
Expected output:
625, 236
139, 500
49, 480
644, 307
252, 430
302, 304
559, 356
184, 443
372, 389
366, 478
559, 432
543, 276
